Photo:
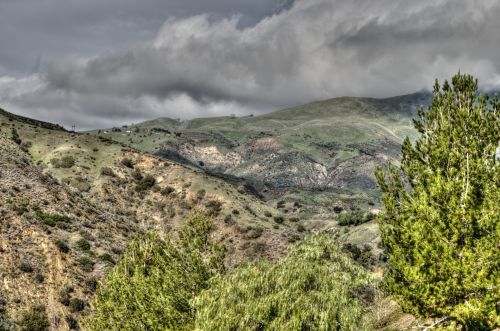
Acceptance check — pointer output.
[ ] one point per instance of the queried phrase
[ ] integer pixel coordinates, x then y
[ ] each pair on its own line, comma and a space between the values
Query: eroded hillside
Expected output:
321, 154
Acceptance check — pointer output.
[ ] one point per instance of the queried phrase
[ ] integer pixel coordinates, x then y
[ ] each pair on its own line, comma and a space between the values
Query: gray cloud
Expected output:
201, 65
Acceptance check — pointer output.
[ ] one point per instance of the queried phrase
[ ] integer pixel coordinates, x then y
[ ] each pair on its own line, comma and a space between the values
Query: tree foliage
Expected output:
152, 286
310, 289
441, 223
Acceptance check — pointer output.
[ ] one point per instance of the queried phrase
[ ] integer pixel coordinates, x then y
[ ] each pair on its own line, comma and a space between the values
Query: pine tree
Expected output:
441, 221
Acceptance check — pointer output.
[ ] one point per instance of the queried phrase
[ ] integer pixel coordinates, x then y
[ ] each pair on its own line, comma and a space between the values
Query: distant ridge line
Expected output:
27, 120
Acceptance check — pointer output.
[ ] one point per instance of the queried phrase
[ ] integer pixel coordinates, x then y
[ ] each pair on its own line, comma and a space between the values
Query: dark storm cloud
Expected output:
203, 65
56, 27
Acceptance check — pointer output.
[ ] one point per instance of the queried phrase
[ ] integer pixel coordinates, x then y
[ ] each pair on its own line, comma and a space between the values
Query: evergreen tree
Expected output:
315, 287
152, 286
441, 221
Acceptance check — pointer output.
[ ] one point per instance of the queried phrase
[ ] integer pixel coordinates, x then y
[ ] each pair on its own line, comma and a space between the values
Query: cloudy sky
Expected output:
99, 63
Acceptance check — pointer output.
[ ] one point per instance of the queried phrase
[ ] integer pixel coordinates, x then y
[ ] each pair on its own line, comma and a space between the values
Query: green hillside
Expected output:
321, 154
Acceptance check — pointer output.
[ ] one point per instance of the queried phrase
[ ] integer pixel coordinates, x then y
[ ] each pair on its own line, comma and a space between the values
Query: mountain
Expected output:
70, 203
321, 154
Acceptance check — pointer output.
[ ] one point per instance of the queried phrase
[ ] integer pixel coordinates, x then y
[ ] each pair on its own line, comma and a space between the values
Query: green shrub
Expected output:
51, 219
83, 244
167, 190
310, 289
76, 305
62, 246
86, 263
72, 322
214, 207
152, 286
34, 319
106, 257
65, 162
145, 183
128, 163
107, 171
355, 218
279, 219
15, 136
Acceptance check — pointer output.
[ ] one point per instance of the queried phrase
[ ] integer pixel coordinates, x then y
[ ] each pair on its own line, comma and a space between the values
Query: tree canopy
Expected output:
441, 221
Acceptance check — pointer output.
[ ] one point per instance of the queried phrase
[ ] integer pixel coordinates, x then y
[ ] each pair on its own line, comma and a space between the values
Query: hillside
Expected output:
321, 155
70, 203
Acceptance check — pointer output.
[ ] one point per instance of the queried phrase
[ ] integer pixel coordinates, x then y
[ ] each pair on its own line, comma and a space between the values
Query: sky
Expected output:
103, 63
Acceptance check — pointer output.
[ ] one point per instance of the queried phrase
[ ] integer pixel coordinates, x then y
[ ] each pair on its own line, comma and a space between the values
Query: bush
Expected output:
107, 171
51, 219
106, 257
299, 292
15, 137
152, 286
83, 244
267, 213
145, 183
214, 207
25, 266
128, 163
86, 263
167, 190
355, 218
72, 322
76, 305
279, 219
34, 319
65, 162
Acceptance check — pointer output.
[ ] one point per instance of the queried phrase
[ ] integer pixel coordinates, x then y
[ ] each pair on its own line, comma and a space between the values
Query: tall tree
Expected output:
441, 221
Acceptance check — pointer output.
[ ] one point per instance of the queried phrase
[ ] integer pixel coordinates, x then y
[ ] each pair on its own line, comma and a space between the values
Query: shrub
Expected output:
15, 136
299, 292
86, 263
279, 219
214, 207
34, 319
77, 305
137, 175
72, 322
355, 218
107, 171
152, 286
145, 183
167, 190
200, 194
83, 244
91, 284
229, 219
51, 219
25, 266
65, 162
128, 163
64, 297
267, 213
106, 257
